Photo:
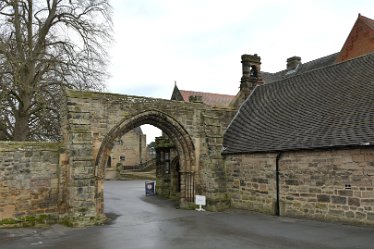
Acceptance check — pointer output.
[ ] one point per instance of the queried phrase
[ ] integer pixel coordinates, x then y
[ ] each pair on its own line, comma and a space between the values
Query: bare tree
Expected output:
46, 45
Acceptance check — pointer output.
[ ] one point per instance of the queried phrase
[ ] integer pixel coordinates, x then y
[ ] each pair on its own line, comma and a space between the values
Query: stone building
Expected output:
129, 152
302, 144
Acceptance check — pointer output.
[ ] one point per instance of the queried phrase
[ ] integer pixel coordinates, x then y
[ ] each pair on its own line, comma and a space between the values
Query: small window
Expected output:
253, 71
109, 162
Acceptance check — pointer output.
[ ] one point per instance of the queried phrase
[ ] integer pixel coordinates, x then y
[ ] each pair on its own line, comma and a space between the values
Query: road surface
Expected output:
149, 222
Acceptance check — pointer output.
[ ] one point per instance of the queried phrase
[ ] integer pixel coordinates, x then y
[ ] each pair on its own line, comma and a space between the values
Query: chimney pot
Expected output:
293, 62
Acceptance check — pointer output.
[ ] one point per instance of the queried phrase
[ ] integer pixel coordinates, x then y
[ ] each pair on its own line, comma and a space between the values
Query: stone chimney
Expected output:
251, 67
293, 62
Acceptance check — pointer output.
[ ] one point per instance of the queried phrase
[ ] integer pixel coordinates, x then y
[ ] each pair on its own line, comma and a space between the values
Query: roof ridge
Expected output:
321, 68
308, 62
366, 20
205, 92
320, 58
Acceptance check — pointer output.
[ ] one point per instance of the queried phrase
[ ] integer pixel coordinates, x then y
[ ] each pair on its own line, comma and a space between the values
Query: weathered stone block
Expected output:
354, 201
81, 152
83, 193
370, 216
350, 214
85, 182
315, 190
323, 198
360, 215
322, 206
367, 194
336, 212
345, 192
338, 200
292, 182
367, 202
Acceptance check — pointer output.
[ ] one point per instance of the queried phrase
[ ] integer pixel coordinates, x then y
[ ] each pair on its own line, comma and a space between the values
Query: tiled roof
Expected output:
302, 68
329, 107
368, 21
211, 99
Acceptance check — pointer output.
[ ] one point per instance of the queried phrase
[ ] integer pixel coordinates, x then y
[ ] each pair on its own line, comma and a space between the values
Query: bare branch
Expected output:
46, 45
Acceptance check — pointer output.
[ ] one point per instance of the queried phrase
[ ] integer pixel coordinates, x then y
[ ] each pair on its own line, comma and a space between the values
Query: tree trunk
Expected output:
21, 128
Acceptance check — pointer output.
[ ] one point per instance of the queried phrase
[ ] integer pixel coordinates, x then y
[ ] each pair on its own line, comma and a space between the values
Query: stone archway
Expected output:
91, 122
173, 129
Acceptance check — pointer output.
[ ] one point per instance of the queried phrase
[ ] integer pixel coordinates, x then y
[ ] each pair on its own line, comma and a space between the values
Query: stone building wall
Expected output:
31, 182
251, 181
333, 185
130, 151
134, 149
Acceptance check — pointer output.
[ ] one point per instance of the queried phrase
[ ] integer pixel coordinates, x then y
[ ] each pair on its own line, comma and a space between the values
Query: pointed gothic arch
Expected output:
176, 133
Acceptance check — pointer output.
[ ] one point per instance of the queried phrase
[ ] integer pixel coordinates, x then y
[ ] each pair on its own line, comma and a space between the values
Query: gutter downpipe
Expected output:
277, 204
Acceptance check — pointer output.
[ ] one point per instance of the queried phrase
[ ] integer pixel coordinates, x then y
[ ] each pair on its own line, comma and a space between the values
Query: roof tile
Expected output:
328, 107
211, 99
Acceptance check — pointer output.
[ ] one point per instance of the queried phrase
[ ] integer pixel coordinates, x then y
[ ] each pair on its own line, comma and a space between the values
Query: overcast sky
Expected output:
198, 43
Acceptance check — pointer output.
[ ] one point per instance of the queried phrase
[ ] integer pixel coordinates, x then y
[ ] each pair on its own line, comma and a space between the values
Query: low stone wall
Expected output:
334, 185
29, 182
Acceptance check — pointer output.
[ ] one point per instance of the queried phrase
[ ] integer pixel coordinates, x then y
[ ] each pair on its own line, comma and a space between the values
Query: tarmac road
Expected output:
150, 222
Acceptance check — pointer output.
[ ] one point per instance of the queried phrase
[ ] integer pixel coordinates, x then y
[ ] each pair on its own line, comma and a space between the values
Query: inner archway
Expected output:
176, 133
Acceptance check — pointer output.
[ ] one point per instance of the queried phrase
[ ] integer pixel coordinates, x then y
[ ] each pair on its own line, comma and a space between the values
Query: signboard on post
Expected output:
200, 200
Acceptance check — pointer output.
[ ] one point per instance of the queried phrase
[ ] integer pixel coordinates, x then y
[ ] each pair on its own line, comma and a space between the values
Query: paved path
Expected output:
149, 222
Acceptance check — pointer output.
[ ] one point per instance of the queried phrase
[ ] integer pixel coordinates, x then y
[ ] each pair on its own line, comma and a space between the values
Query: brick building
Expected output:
302, 142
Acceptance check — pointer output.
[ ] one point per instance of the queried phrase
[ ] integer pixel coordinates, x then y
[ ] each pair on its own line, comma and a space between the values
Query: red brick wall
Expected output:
359, 42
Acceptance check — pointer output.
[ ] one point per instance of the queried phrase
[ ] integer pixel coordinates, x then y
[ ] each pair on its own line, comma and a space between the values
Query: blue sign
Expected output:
149, 188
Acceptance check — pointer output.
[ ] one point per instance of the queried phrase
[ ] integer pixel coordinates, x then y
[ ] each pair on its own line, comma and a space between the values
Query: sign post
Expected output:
200, 200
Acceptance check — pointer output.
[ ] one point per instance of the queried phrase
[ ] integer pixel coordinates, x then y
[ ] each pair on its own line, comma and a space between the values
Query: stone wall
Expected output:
251, 181
333, 185
30, 182
212, 176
